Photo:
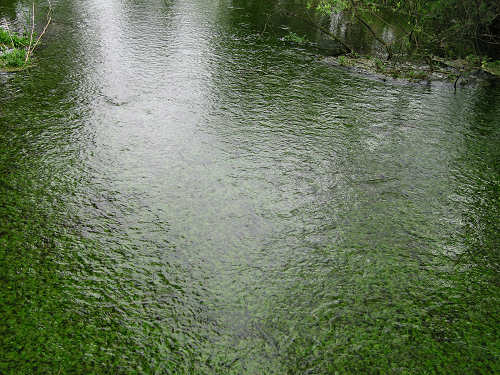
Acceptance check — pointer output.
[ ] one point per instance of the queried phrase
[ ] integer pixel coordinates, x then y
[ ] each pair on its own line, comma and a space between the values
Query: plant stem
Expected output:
31, 47
28, 53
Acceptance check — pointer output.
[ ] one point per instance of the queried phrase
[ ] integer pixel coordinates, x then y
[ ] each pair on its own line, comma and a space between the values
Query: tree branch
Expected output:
323, 30
380, 40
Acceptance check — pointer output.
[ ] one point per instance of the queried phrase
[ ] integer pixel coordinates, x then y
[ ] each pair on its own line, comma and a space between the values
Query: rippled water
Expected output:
183, 194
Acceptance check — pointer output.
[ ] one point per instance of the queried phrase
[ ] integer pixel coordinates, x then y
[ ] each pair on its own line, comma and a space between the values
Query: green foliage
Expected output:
12, 40
12, 50
379, 64
456, 28
328, 6
473, 60
295, 38
453, 28
13, 59
492, 67
416, 75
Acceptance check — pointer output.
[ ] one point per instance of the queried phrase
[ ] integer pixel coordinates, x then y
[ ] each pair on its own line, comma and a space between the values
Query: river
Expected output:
181, 193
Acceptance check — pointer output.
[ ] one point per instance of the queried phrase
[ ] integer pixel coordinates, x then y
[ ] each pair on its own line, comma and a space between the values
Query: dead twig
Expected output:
32, 46
32, 31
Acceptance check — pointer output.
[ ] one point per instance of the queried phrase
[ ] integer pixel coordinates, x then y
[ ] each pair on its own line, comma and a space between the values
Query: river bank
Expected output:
397, 41
16, 48
456, 72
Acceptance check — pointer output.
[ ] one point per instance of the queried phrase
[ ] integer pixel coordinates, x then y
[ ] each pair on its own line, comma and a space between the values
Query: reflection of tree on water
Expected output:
280, 17
359, 37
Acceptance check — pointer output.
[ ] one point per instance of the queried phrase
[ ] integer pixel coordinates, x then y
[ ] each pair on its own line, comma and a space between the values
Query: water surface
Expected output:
182, 193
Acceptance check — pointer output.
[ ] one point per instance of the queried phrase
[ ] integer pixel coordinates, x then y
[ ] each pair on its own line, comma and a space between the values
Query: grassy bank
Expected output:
13, 51
16, 51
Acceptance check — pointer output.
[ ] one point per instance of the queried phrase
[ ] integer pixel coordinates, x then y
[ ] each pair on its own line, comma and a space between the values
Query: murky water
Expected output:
181, 193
